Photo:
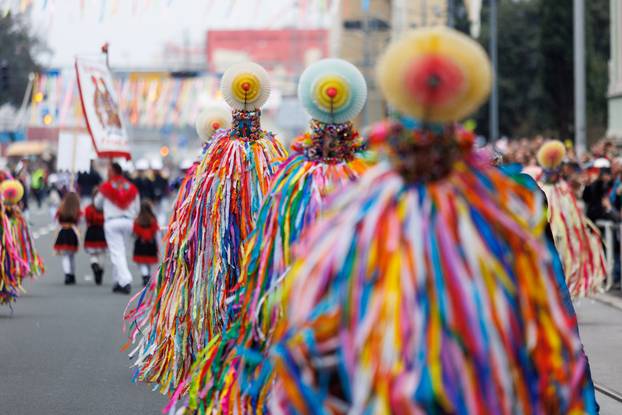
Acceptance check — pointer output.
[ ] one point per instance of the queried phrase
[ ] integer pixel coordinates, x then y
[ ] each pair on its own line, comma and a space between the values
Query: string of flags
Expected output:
154, 100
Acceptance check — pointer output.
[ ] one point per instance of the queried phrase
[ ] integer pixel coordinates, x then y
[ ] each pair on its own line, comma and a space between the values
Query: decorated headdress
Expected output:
433, 77
551, 155
12, 191
210, 120
246, 88
333, 92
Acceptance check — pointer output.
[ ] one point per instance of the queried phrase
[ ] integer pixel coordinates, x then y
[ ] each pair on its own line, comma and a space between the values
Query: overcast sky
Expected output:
138, 29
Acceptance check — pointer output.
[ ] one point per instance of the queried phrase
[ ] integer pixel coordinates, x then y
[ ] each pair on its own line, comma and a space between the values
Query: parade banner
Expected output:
77, 152
101, 108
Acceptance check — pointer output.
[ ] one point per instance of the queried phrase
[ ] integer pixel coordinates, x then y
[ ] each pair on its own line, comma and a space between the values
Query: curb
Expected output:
609, 299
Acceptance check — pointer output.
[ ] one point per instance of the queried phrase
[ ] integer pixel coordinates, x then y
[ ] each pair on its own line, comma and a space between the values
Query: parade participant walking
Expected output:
95, 239
428, 286
67, 241
119, 200
19, 257
190, 301
145, 231
322, 161
577, 239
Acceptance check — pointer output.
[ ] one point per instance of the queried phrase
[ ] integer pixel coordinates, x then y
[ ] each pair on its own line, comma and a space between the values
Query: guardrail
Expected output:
609, 227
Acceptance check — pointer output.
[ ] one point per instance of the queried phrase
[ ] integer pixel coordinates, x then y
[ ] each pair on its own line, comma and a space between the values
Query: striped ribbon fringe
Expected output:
578, 241
428, 297
224, 379
13, 267
188, 303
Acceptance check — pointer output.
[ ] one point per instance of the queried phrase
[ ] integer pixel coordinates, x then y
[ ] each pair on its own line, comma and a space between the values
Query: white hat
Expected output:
156, 164
142, 164
602, 163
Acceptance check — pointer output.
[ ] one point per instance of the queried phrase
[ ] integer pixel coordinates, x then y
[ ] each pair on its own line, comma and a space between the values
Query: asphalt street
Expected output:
60, 346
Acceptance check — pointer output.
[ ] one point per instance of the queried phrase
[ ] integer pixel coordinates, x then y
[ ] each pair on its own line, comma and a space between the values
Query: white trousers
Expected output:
118, 232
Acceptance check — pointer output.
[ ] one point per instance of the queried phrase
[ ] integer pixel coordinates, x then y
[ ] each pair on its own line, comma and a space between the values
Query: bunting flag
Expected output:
146, 100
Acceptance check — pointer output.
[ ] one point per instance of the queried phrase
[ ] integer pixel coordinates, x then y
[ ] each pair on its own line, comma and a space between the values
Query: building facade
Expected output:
364, 28
615, 72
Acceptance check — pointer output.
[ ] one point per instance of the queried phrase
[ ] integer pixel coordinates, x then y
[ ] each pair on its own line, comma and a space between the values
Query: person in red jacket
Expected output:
95, 239
145, 231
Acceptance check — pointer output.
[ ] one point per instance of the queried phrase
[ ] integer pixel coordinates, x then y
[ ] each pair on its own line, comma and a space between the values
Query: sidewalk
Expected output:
600, 324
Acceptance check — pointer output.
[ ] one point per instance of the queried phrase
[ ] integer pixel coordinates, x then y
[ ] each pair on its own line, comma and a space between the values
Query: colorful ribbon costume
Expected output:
189, 299
323, 161
428, 286
577, 239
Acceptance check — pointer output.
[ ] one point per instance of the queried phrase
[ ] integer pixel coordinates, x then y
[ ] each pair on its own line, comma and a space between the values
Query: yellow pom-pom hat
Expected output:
435, 75
551, 155
210, 120
11, 191
245, 86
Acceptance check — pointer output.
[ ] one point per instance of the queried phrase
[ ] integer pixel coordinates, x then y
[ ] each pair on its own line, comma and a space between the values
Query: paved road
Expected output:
59, 350
601, 332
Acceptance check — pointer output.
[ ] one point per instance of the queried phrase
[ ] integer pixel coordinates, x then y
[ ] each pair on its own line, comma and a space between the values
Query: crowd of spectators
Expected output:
595, 178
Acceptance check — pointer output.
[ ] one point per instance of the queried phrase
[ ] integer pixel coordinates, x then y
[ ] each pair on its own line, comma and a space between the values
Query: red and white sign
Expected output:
100, 105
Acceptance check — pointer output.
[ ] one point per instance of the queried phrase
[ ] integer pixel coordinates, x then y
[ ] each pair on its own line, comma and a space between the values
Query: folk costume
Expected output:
145, 247
428, 286
22, 237
577, 239
118, 199
322, 162
189, 304
18, 257
95, 240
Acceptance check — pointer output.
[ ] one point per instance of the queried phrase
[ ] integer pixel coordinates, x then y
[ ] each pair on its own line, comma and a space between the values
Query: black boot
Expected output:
146, 279
98, 272
70, 279
125, 289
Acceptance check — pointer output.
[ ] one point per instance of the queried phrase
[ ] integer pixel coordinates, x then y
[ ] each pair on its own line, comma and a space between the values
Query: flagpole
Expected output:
579, 76
494, 97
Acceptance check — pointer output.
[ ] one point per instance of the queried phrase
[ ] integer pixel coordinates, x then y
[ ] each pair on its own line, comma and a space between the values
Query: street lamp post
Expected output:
579, 76
494, 97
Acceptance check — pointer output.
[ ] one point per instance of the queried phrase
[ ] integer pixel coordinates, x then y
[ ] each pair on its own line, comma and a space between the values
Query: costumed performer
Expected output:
428, 287
95, 239
12, 266
118, 198
577, 239
193, 289
322, 161
22, 237
67, 240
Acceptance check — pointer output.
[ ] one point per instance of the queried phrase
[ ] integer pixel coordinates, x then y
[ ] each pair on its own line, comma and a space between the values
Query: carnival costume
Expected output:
12, 265
322, 161
189, 304
22, 238
428, 286
577, 239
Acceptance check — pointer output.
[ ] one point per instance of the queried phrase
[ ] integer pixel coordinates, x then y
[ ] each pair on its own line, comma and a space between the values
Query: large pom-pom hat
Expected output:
11, 191
332, 91
551, 155
245, 86
210, 120
435, 75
